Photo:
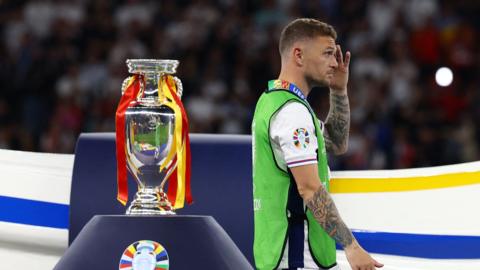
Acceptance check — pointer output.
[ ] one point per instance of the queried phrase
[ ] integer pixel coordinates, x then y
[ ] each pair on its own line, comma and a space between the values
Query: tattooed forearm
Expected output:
325, 212
337, 124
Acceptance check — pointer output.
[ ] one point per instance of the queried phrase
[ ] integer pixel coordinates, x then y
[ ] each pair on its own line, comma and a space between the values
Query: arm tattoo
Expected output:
326, 214
337, 124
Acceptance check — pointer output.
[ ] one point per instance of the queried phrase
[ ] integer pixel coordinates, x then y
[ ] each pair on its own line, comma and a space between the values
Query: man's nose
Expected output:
334, 62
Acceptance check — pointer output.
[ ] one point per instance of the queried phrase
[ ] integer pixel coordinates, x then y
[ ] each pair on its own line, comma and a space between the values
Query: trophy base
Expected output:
150, 202
148, 212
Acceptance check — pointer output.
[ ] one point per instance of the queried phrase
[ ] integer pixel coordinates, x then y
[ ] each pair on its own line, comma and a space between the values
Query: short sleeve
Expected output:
293, 133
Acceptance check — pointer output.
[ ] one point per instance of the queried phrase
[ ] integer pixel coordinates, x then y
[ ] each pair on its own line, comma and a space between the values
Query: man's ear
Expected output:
298, 55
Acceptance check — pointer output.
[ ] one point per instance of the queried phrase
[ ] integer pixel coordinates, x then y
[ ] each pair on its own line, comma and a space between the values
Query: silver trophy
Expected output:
149, 131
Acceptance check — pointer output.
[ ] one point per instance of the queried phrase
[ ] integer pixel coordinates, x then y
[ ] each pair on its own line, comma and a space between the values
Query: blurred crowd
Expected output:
62, 64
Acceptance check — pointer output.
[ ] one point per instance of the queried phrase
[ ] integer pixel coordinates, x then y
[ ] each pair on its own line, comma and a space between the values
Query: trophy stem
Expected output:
150, 201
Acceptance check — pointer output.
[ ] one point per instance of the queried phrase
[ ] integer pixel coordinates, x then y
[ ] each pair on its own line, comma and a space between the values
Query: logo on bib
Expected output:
301, 138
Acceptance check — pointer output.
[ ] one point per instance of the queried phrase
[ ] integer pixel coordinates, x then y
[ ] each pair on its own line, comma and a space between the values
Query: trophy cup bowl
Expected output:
149, 131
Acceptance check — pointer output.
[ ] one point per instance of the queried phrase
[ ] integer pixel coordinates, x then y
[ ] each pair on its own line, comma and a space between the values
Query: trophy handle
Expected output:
127, 81
179, 84
125, 84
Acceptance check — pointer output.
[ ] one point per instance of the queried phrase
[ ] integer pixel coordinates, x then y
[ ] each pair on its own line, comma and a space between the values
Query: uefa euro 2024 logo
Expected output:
301, 138
144, 255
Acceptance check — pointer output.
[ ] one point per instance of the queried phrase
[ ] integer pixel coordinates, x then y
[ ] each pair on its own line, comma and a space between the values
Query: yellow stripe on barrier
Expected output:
365, 185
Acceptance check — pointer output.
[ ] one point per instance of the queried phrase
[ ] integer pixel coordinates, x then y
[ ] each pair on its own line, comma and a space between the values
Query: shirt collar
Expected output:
281, 84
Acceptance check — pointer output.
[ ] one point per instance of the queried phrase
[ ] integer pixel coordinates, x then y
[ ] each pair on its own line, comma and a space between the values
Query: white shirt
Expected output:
292, 134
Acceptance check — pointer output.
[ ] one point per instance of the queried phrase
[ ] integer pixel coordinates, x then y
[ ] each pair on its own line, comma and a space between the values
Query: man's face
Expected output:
319, 61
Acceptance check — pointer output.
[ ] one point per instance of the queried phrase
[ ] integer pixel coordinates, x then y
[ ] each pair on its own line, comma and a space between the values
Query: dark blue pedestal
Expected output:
221, 183
192, 242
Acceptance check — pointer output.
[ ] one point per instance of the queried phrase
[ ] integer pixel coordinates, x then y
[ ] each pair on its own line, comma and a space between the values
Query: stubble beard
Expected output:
316, 82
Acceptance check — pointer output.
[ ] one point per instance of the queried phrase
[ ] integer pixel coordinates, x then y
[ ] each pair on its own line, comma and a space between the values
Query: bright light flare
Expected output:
444, 76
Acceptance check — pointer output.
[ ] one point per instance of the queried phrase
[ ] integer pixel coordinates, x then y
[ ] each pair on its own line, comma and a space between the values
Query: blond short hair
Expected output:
303, 29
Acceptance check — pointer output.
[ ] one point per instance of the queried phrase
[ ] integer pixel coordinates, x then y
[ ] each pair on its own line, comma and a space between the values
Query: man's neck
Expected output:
297, 80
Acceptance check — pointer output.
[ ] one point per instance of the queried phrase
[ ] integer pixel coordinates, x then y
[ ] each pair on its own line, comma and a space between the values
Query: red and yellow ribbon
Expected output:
131, 92
179, 182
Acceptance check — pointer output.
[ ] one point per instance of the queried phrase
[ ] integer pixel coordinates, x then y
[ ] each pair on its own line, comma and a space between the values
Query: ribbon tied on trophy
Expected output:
152, 139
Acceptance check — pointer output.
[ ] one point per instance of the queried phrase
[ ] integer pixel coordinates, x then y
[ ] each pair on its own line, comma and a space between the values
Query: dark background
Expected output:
62, 64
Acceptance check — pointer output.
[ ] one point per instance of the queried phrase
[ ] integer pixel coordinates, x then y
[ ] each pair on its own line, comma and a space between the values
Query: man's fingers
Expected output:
339, 55
377, 264
372, 265
347, 59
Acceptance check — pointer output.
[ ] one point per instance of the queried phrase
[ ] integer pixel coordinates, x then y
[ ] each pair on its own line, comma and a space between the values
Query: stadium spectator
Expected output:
62, 64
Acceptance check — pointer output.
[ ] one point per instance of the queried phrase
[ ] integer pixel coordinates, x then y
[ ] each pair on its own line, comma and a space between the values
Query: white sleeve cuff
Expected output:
301, 162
